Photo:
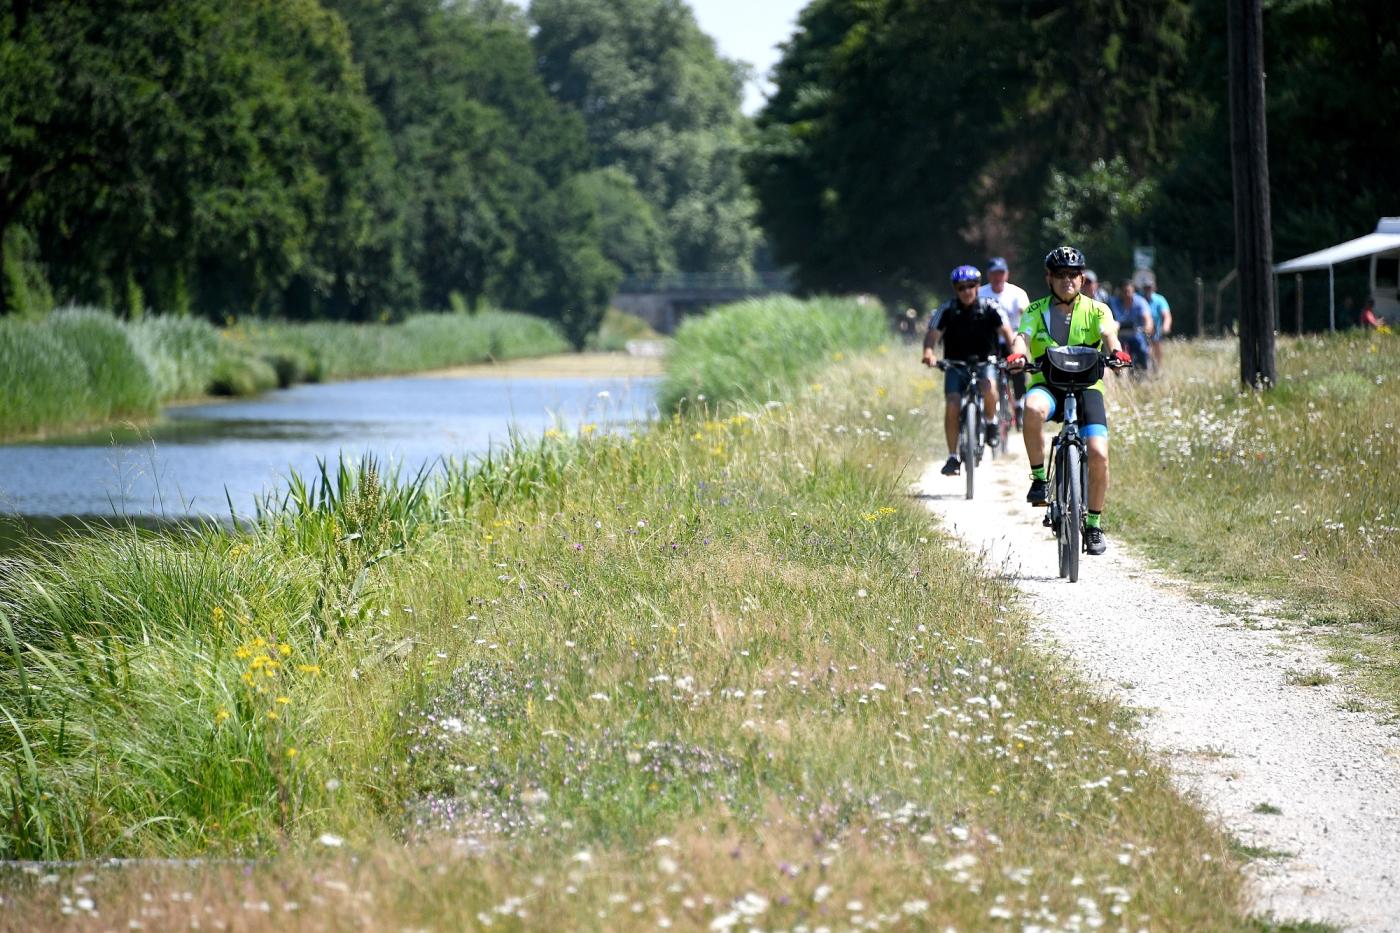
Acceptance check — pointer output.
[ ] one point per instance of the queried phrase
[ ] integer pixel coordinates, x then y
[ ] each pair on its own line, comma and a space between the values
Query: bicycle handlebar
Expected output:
961, 364
1032, 367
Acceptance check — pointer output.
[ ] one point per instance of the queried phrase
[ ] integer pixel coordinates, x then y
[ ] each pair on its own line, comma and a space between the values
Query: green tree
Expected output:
184, 153
1334, 133
662, 106
909, 135
485, 159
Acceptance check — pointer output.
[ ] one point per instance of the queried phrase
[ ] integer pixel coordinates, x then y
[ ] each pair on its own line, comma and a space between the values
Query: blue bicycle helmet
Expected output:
965, 274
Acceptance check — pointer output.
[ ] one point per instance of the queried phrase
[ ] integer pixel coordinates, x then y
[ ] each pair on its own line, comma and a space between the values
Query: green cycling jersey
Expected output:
1087, 321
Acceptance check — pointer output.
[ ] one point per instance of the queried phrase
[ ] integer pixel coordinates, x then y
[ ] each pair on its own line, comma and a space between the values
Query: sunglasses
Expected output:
1066, 275
966, 286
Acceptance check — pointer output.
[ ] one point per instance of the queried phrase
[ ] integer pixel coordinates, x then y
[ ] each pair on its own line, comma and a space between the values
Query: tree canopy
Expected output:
661, 108
342, 158
907, 136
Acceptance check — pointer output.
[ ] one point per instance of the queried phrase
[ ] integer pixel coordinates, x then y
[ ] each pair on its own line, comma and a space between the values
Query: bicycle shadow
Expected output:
936, 497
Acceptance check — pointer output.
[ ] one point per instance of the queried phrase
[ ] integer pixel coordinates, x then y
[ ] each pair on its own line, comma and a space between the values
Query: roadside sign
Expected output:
1144, 257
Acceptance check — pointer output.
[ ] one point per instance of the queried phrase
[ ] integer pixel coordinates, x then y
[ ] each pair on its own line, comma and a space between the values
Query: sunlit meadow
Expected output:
1291, 494
722, 674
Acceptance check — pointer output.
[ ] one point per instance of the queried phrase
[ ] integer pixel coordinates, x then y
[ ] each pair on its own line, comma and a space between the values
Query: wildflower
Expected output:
309, 668
292, 752
588, 429
218, 614
222, 714
272, 714
331, 840
283, 701
284, 649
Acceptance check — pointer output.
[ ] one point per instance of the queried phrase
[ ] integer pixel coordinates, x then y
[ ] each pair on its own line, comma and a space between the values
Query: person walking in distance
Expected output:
1066, 317
1013, 300
969, 328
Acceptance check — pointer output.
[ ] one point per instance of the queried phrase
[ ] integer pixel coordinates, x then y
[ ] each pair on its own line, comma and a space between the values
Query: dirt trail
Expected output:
1284, 766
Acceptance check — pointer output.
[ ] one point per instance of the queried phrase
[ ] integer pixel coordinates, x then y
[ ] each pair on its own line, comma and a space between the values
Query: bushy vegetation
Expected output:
882, 158
722, 667
81, 366
758, 349
347, 159
617, 328
1291, 494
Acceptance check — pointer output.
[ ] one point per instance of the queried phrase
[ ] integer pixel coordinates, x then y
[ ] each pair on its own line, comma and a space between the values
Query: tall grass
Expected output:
719, 671
757, 349
81, 366
1291, 494
430, 341
75, 367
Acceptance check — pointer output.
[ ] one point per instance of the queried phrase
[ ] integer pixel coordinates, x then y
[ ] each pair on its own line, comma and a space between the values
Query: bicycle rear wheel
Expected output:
1072, 520
968, 445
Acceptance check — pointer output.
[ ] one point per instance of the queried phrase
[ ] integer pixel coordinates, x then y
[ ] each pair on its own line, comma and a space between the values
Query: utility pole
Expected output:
1249, 158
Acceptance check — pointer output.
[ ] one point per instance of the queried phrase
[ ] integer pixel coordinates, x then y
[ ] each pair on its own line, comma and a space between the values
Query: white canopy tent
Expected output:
1386, 239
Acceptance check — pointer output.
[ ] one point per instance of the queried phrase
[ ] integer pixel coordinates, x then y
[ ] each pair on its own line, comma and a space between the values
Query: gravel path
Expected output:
1219, 705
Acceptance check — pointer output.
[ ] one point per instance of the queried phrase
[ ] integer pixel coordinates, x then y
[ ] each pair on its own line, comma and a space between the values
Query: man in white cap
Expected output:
1013, 300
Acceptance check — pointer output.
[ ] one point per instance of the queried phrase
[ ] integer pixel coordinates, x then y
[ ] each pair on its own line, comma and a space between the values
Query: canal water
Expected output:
211, 460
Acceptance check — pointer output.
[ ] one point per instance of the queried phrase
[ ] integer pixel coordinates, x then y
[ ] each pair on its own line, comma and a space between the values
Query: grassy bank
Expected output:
81, 367
756, 350
1291, 494
720, 673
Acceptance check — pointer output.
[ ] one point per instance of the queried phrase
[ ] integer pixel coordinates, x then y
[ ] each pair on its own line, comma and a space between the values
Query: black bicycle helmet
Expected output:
1064, 257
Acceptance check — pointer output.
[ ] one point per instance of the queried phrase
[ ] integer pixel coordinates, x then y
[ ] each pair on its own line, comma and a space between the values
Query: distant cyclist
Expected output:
1066, 317
1161, 317
968, 327
1013, 301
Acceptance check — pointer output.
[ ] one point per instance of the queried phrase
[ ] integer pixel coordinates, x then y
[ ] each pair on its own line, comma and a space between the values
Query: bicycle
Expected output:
971, 439
1071, 370
1008, 415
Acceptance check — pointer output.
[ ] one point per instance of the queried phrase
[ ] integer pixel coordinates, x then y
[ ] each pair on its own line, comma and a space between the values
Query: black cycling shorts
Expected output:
1093, 416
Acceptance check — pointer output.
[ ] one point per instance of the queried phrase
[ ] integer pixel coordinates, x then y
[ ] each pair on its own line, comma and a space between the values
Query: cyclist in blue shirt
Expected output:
1134, 317
1161, 316
968, 327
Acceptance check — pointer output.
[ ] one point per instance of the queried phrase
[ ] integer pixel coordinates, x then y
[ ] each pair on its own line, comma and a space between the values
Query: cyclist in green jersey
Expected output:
1066, 317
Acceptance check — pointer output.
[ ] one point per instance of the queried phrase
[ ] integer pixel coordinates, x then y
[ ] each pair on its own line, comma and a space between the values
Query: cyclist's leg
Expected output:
953, 382
1093, 426
987, 383
1040, 407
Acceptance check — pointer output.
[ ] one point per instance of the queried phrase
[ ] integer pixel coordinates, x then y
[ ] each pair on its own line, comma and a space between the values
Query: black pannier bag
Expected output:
1072, 367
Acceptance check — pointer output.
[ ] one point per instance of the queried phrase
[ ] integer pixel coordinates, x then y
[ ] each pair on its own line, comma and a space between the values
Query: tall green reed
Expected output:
757, 349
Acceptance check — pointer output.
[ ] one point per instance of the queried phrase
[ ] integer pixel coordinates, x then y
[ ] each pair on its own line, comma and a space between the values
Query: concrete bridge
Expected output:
663, 300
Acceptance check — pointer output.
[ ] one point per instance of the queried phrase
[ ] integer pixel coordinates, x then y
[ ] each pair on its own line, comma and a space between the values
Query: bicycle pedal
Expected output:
1046, 520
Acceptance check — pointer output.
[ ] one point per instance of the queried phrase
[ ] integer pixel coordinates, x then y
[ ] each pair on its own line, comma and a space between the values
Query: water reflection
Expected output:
205, 460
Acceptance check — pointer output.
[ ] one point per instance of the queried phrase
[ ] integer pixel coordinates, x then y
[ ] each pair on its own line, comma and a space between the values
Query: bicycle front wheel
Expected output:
1006, 415
1072, 523
968, 443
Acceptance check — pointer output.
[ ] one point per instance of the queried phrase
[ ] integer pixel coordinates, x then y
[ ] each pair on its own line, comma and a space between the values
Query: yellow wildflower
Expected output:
272, 714
283, 701
284, 649
222, 714
292, 752
218, 615
309, 668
